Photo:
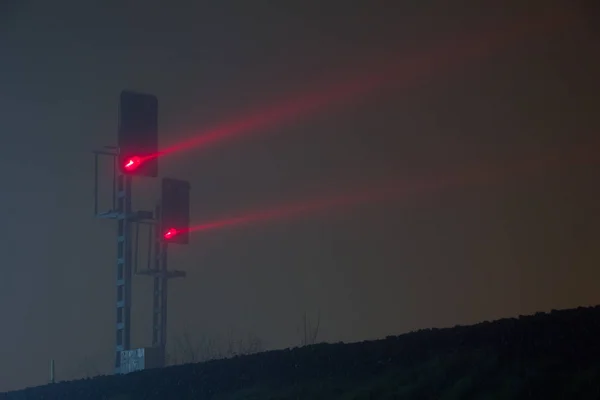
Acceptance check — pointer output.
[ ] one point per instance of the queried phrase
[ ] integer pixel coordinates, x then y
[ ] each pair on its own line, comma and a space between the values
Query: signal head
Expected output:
175, 211
138, 134
170, 233
132, 163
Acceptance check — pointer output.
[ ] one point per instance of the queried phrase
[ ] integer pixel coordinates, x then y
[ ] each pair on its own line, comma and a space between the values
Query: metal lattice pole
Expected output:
124, 268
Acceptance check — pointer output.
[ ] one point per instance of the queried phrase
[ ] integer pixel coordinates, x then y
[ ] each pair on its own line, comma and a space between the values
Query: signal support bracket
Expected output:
162, 274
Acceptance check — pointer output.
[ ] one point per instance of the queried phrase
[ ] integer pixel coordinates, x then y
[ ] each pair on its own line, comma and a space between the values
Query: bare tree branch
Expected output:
310, 333
190, 348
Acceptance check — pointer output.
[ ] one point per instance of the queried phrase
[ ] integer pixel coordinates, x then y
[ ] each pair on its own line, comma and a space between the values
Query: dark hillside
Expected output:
543, 356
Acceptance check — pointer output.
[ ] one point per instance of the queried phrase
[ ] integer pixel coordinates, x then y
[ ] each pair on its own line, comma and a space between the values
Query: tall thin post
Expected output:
124, 268
96, 184
52, 380
163, 304
159, 296
155, 268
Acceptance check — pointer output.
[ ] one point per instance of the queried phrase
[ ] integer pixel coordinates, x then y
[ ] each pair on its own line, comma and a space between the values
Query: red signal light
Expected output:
132, 163
170, 233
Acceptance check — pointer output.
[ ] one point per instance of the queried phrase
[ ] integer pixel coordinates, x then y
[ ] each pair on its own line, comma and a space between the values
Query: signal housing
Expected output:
175, 211
138, 134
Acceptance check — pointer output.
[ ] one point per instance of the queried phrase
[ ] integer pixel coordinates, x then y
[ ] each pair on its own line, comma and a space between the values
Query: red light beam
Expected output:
407, 189
398, 74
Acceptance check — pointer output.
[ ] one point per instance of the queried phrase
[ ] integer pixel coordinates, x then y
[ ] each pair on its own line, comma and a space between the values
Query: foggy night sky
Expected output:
456, 256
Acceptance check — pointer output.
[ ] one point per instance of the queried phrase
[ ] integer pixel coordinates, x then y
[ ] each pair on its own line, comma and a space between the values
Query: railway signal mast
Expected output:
136, 156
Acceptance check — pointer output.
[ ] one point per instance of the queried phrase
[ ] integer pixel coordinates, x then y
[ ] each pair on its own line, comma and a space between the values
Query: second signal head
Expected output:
169, 233
175, 211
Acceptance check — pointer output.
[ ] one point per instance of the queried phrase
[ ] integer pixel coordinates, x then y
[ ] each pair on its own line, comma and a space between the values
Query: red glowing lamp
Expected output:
170, 233
132, 163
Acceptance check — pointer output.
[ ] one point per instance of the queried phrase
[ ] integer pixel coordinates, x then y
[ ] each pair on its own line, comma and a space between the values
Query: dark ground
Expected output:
544, 356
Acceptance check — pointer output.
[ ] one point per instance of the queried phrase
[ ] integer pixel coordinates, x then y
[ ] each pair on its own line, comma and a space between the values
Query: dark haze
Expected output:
457, 254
